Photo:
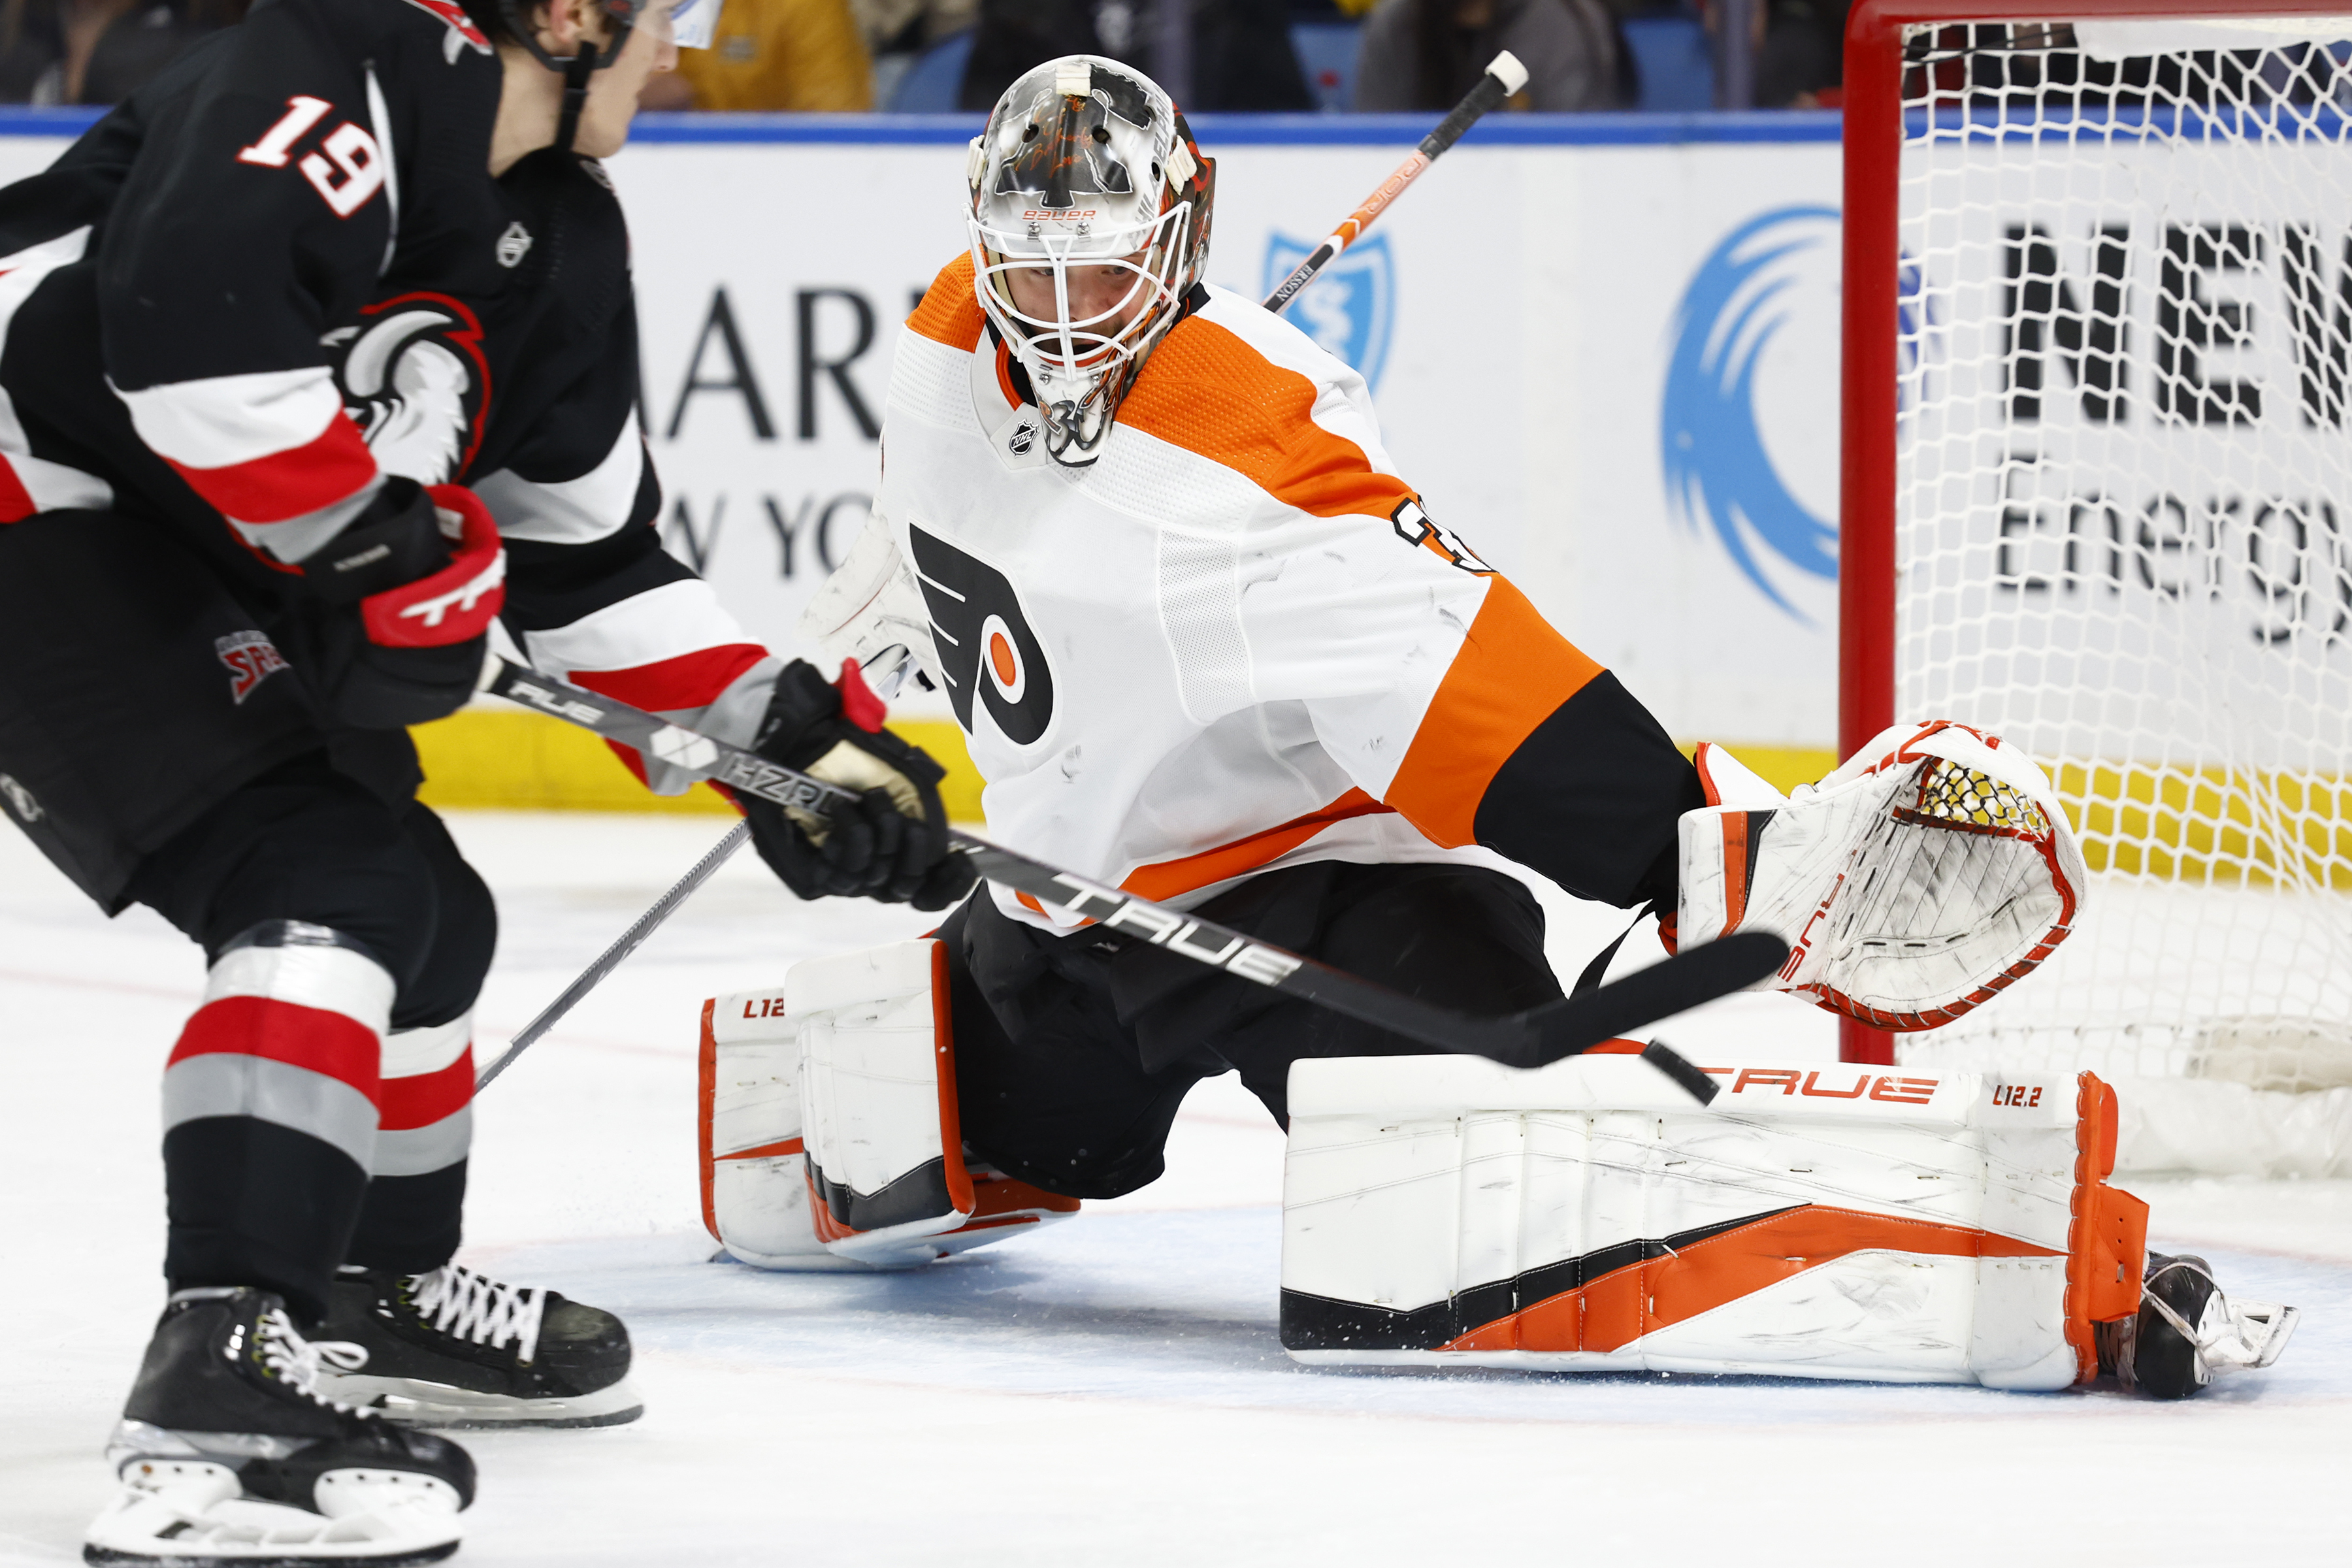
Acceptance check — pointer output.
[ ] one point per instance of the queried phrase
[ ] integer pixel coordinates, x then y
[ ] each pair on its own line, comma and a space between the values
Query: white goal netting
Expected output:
2124, 531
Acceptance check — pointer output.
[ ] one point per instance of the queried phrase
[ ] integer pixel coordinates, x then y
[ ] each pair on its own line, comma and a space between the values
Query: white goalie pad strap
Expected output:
760, 1192
871, 609
1820, 1221
1933, 869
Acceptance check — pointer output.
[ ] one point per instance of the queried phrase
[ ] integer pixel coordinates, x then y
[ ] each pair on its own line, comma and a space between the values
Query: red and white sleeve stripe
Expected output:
597, 504
272, 451
667, 649
671, 651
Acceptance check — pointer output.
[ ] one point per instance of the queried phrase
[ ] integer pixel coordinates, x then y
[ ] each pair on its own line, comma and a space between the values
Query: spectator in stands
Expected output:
892, 27
1242, 57
97, 51
897, 32
1800, 50
790, 55
1425, 54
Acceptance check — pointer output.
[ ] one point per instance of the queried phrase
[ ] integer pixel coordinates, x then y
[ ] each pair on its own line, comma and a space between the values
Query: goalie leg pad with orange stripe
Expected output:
830, 1134
1929, 872
1835, 1222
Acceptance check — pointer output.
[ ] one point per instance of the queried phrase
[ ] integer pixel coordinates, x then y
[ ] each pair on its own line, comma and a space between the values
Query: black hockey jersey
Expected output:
282, 271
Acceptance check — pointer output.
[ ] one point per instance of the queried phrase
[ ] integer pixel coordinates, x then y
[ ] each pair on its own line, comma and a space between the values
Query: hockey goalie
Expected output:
1209, 647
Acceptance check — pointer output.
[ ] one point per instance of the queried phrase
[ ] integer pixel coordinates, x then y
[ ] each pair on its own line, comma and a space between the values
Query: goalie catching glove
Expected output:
891, 843
1923, 876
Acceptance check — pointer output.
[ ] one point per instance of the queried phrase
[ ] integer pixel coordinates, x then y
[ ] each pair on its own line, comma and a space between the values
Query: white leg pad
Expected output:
1834, 1222
830, 1139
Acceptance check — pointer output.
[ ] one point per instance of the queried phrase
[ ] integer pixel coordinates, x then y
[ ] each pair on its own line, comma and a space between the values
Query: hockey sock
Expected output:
270, 1113
410, 1222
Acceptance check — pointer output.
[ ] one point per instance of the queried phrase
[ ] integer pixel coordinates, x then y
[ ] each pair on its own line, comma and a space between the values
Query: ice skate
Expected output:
229, 1454
2188, 1331
455, 1348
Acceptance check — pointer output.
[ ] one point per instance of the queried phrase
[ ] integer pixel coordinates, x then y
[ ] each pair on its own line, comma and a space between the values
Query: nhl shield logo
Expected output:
1350, 307
513, 245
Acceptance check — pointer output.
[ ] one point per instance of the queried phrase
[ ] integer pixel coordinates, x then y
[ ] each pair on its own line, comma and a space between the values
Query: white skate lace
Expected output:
2247, 1335
297, 1362
2165, 1310
466, 1305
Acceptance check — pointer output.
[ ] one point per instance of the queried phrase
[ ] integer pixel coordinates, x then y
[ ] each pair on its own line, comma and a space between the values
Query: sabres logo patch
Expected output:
252, 658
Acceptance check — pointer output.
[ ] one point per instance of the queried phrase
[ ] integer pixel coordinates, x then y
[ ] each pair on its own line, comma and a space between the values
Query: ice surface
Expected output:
1109, 1390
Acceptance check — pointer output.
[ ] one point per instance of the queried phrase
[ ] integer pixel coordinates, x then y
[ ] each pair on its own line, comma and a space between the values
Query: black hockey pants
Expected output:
155, 747
1073, 1053
258, 1201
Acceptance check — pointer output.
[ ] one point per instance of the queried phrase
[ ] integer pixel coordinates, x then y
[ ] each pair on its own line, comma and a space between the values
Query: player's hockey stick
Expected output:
609, 959
1504, 76
1533, 1038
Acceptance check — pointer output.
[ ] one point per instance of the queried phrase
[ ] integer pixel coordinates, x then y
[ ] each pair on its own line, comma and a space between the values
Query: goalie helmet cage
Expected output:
2098, 500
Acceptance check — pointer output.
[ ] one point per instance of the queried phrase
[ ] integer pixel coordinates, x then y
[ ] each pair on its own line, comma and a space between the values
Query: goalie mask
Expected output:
1089, 223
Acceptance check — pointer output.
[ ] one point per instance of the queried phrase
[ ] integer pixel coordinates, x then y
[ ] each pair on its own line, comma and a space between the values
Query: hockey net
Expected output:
2115, 490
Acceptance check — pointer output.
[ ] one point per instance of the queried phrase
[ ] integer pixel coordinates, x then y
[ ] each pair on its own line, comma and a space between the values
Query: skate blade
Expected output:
161, 1556
185, 1521
413, 1402
2257, 1332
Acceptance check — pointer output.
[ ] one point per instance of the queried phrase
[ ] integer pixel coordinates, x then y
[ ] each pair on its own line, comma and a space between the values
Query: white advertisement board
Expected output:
1606, 355
1610, 364
2122, 472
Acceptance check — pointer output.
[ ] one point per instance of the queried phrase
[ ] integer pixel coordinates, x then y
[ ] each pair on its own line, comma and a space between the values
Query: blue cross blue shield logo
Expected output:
1350, 307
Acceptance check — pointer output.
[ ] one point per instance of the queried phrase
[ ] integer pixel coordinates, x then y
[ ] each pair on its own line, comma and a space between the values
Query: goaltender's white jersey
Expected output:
1236, 641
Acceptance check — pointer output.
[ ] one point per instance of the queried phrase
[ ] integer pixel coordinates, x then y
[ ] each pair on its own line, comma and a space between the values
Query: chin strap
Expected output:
577, 71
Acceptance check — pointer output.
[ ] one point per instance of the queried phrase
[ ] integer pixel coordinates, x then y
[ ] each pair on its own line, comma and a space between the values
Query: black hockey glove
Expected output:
406, 596
891, 845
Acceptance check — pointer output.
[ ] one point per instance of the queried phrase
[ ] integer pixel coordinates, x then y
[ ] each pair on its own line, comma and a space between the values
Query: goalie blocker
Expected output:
1834, 1222
829, 1132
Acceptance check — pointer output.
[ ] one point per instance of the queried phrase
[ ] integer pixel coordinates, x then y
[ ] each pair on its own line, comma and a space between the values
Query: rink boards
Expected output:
1555, 323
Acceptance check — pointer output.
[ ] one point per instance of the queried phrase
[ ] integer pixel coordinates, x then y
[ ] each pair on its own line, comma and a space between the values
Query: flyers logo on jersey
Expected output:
1413, 526
986, 649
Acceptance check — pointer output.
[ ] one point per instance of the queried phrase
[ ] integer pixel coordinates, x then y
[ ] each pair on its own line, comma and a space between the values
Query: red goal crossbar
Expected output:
1873, 156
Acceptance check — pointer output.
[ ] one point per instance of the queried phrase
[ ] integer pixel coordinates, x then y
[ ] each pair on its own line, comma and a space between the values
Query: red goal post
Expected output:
1874, 137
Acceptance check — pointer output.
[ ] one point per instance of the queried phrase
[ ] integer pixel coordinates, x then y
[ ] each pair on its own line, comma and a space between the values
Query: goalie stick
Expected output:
1505, 76
1532, 1039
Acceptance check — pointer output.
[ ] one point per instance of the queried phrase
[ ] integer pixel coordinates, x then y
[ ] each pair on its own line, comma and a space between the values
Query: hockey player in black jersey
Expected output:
317, 356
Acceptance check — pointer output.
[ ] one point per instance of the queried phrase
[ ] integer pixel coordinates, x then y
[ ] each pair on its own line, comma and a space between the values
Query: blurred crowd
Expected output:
934, 56
96, 51
1261, 55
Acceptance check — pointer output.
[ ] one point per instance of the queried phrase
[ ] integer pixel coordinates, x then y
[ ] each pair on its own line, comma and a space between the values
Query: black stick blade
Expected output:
1677, 1066
1692, 976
